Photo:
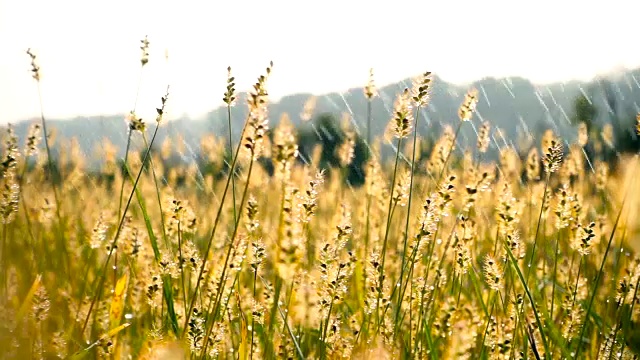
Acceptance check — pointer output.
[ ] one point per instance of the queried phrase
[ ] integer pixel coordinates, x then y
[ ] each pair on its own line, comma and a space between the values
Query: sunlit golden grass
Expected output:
453, 256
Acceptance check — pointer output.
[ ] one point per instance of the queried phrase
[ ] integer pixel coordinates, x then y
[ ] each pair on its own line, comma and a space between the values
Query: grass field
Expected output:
448, 257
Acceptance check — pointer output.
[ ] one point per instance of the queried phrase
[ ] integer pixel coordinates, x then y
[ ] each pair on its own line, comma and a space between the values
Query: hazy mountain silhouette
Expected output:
516, 106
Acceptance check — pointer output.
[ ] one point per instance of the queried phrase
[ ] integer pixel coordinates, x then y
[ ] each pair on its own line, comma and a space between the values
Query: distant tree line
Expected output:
614, 134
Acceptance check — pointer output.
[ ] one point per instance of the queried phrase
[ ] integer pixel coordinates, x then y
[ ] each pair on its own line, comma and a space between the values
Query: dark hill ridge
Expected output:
515, 105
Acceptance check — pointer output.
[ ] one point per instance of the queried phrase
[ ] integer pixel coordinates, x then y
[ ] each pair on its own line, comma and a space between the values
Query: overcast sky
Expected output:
89, 55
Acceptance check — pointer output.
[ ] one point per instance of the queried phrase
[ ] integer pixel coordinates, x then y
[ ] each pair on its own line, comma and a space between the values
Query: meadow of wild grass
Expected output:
447, 257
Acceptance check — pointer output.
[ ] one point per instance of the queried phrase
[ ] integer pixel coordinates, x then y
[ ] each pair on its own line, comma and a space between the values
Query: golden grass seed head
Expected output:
132, 240
492, 273
515, 244
370, 89
196, 331
421, 91
468, 106
9, 197
346, 150
583, 134
443, 324
217, 340
10, 162
35, 68
179, 215
602, 175
609, 345
374, 178
309, 198
373, 268
40, 304
509, 162
105, 347
254, 141
144, 49
308, 108
304, 305
33, 140
230, 94
463, 258
284, 149
469, 169
638, 124
507, 210
445, 196
58, 345
290, 245
483, 137
190, 256
258, 252
607, 135
572, 322
253, 223
479, 182
401, 190
622, 291
466, 228
343, 226
168, 266
429, 219
162, 109
515, 305
579, 288
239, 254
584, 238
552, 156
402, 119
563, 207
441, 150
257, 118
573, 165
99, 232
135, 123
533, 165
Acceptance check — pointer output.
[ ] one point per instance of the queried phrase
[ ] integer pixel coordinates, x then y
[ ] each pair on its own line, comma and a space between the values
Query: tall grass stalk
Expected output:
627, 320
229, 99
223, 280
369, 94
604, 260
44, 255
367, 230
514, 262
158, 197
408, 217
535, 237
205, 257
386, 232
232, 170
35, 70
258, 98
555, 273
102, 274
130, 130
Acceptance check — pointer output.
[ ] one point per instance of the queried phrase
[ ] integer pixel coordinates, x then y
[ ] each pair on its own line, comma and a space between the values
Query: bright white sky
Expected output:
89, 55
